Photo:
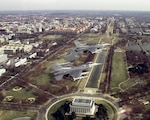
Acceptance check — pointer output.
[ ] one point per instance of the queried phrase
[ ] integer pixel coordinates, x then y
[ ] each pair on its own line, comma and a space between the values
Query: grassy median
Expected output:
12, 114
119, 71
90, 38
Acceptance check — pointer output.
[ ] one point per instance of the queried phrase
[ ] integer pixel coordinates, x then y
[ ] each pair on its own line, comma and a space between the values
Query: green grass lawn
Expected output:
44, 77
119, 71
89, 38
41, 79
47, 66
10, 114
110, 109
45, 81
52, 37
19, 95
54, 109
128, 84
93, 38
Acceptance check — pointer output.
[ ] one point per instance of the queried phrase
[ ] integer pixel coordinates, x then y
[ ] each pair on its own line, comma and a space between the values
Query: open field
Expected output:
127, 84
89, 38
111, 39
22, 94
119, 71
59, 87
46, 82
10, 114
51, 37
42, 79
82, 83
94, 38
110, 109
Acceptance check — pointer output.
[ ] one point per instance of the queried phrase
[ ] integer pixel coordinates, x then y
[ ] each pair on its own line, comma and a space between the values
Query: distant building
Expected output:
2, 39
33, 55
3, 58
16, 62
14, 47
20, 62
146, 33
2, 71
82, 106
23, 32
2, 31
94, 30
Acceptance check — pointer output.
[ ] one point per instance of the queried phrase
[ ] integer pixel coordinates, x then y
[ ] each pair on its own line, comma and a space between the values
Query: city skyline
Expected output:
134, 5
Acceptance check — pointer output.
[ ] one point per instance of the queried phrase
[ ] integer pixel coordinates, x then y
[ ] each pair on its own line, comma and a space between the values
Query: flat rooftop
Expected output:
82, 102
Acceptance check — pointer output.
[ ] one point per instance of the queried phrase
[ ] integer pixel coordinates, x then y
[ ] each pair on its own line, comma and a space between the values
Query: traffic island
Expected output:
103, 109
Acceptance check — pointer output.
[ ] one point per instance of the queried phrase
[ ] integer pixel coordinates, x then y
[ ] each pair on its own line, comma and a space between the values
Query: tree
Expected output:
102, 112
59, 114
1, 96
72, 116
66, 107
87, 117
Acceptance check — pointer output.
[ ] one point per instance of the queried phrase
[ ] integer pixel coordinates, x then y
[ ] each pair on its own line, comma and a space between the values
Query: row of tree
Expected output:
61, 111
60, 114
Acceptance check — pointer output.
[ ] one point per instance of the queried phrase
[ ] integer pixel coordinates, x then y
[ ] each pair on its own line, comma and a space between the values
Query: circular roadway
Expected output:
106, 98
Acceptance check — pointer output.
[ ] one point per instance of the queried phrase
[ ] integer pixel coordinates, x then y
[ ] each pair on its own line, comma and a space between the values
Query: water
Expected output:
96, 73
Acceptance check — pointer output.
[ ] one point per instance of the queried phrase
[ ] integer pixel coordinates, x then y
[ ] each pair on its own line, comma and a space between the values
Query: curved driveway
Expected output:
22, 118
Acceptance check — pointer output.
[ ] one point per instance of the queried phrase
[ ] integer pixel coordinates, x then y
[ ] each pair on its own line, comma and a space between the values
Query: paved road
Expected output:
23, 118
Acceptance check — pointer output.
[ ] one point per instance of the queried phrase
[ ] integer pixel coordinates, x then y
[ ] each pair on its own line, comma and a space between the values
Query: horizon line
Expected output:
74, 10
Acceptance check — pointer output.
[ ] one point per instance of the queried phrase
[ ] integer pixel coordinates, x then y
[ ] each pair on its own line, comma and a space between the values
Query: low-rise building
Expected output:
20, 62
3, 58
13, 47
2, 39
2, 71
83, 106
16, 62
33, 55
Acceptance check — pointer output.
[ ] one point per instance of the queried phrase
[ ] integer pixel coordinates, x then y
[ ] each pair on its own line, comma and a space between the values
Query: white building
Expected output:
2, 39
3, 58
2, 71
21, 62
16, 62
82, 106
15, 47
33, 55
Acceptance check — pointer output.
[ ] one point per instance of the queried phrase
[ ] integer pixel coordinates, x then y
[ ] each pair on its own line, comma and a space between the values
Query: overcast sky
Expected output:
139, 5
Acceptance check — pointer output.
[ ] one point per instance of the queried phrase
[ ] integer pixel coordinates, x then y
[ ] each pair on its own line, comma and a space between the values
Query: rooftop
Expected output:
82, 102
